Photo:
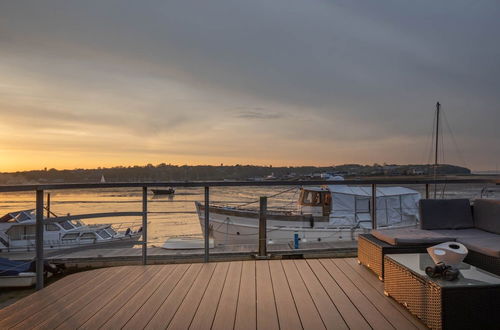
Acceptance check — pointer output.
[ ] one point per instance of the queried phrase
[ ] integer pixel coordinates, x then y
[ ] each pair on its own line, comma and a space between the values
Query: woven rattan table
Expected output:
371, 252
470, 302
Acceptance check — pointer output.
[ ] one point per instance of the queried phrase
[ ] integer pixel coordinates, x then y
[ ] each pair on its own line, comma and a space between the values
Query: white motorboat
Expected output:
323, 214
17, 233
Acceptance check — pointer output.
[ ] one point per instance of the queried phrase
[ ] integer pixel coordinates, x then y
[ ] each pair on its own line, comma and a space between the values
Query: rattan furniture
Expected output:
470, 302
371, 252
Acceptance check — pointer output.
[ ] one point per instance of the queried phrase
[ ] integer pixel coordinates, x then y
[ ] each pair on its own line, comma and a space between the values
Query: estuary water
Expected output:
176, 215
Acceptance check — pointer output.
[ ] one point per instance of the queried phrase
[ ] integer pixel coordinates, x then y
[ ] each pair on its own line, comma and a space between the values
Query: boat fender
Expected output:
311, 221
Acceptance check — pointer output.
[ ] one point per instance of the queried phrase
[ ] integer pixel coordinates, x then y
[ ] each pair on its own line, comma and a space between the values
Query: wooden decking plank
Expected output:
186, 311
385, 305
287, 312
306, 308
79, 296
120, 318
347, 309
367, 274
267, 316
326, 308
99, 318
369, 312
167, 310
246, 310
208, 306
40, 304
373, 280
146, 312
226, 310
83, 313
48, 295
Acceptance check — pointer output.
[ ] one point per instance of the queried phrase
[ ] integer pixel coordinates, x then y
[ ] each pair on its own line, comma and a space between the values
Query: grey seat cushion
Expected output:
445, 214
487, 215
489, 246
464, 233
409, 236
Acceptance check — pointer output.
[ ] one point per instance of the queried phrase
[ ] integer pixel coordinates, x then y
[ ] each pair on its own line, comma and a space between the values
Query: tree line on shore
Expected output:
168, 172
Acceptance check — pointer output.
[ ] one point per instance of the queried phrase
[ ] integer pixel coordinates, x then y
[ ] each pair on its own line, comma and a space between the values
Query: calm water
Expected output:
173, 216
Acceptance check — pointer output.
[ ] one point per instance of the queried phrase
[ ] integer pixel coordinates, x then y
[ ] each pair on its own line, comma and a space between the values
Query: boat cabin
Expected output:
315, 200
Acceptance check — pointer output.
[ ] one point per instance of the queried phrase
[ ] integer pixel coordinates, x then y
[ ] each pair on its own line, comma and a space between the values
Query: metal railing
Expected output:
40, 188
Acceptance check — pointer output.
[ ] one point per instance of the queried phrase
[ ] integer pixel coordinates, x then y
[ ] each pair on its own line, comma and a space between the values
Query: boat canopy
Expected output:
351, 205
12, 267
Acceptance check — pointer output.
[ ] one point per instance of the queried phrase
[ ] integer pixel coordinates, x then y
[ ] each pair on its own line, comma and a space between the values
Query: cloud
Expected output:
352, 74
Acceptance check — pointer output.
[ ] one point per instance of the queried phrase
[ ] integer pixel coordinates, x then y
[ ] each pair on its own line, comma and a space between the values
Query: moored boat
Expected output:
17, 233
324, 214
169, 191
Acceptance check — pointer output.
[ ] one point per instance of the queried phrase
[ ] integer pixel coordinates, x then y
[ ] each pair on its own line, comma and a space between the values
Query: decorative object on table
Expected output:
447, 256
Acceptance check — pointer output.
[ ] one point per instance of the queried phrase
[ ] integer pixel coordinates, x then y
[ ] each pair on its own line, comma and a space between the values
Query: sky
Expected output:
104, 83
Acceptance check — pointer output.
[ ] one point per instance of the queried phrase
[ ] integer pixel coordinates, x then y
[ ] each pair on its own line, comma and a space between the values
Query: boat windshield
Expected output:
23, 216
111, 231
76, 223
67, 225
103, 234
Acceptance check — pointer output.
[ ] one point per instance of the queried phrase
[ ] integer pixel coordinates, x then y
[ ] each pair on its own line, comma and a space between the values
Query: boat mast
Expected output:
438, 108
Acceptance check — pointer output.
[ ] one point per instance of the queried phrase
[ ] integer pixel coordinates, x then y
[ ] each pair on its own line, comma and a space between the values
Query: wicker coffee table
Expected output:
470, 302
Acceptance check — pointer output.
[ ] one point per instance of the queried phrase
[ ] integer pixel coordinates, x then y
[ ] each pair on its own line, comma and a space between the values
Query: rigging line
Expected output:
430, 145
271, 196
459, 153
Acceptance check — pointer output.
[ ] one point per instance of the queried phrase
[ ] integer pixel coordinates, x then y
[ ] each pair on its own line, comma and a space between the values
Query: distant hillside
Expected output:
164, 172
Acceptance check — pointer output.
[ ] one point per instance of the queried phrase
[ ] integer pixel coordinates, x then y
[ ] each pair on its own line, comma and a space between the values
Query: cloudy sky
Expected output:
282, 82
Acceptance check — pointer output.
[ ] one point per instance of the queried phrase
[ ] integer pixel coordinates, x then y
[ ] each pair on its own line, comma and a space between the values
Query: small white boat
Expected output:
17, 233
17, 281
324, 214
14, 273
186, 243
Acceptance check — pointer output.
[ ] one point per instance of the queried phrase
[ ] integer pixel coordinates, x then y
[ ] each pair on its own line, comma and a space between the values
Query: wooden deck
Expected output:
285, 294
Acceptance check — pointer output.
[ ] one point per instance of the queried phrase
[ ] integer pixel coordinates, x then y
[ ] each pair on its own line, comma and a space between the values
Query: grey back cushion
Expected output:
445, 214
487, 215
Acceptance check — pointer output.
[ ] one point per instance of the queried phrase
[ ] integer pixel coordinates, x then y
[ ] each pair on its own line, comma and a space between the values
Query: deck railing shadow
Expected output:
206, 185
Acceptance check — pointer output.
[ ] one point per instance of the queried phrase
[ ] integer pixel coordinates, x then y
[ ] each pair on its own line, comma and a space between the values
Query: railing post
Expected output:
374, 206
144, 225
426, 191
207, 223
263, 227
48, 205
39, 240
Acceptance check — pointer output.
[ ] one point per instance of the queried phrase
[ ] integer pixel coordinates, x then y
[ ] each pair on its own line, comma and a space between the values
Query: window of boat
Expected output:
111, 231
70, 236
76, 223
362, 204
51, 227
66, 225
23, 217
307, 198
16, 232
88, 236
103, 233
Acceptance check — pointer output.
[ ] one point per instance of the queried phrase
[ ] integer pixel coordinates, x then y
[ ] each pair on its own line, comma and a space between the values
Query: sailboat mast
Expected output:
438, 108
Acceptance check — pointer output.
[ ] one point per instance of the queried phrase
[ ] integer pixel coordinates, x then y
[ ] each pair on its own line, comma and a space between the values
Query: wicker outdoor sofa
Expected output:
477, 227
